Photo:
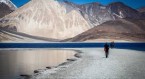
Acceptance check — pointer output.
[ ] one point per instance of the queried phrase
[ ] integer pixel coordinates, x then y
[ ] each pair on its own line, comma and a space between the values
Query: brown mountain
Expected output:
121, 29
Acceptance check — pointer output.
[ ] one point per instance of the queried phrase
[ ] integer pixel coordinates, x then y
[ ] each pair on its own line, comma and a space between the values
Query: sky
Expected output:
132, 3
19, 3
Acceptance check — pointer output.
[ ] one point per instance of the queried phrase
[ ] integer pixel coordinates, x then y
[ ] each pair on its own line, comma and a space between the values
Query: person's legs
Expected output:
107, 53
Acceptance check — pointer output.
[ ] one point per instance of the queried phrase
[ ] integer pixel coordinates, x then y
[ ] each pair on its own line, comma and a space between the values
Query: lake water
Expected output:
24, 61
14, 62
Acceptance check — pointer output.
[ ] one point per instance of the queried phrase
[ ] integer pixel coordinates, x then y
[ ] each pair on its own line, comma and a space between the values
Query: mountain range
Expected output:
97, 13
115, 21
52, 19
66, 21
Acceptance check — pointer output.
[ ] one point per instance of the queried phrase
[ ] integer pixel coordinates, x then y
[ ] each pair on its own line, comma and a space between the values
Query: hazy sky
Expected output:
131, 3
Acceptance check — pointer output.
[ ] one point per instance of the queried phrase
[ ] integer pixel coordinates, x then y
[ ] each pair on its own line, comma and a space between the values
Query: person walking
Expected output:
106, 49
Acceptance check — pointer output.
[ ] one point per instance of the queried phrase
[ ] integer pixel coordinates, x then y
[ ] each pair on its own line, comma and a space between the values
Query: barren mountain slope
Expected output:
47, 18
6, 7
122, 29
96, 14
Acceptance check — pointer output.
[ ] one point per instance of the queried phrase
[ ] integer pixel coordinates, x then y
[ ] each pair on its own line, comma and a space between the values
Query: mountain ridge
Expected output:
97, 13
51, 19
121, 29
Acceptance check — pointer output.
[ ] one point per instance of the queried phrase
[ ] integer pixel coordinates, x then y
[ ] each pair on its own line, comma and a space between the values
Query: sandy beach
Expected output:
121, 64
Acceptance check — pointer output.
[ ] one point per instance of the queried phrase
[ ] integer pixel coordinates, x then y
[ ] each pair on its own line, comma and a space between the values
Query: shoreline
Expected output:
88, 66
70, 61
52, 69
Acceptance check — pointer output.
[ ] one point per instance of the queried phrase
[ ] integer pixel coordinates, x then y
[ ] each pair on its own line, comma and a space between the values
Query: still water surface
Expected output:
19, 61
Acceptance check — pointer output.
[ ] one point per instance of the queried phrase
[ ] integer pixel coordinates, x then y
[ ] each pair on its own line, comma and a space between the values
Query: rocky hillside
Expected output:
121, 29
47, 18
6, 7
97, 14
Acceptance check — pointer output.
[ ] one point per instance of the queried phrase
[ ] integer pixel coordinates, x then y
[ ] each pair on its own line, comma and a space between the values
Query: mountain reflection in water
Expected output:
16, 62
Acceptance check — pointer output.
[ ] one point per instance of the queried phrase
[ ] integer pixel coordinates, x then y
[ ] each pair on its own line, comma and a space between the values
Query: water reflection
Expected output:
16, 62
